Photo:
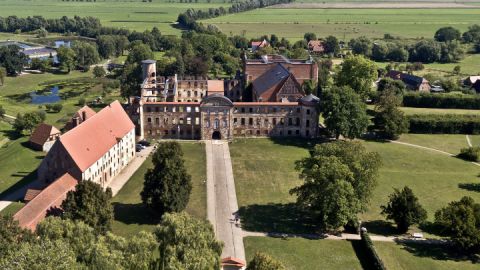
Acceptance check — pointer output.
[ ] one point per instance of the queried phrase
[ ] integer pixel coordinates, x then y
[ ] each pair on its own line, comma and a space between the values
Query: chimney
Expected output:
75, 121
84, 115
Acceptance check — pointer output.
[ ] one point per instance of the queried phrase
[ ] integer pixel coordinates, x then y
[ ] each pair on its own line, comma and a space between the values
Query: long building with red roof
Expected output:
97, 149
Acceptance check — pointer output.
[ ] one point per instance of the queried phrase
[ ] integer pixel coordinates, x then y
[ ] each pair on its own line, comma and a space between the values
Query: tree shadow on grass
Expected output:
134, 214
470, 186
277, 218
11, 134
298, 142
380, 227
435, 251
24, 178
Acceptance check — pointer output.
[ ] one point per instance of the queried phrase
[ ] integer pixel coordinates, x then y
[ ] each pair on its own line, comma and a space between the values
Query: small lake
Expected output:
46, 96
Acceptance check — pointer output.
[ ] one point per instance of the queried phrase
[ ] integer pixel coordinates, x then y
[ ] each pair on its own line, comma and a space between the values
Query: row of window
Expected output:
173, 109
181, 121
266, 122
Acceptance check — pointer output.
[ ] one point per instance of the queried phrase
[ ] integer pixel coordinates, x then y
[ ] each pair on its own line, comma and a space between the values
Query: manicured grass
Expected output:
305, 254
433, 177
264, 170
263, 180
133, 15
131, 216
18, 163
469, 65
451, 143
421, 256
345, 23
12, 208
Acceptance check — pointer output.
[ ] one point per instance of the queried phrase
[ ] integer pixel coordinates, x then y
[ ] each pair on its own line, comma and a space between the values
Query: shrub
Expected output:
470, 154
446, 101
447, 124
372, 255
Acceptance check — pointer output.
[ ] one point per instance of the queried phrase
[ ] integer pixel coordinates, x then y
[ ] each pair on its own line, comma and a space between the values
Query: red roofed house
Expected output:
79, 117
315, 47
255, 45
96, 150
44, 137
50, 199
231, 263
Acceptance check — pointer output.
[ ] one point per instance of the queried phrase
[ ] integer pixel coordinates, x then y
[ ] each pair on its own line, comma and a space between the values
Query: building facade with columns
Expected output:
279, 107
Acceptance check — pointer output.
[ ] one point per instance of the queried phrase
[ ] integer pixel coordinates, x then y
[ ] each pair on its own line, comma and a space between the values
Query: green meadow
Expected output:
345, 23
133, 15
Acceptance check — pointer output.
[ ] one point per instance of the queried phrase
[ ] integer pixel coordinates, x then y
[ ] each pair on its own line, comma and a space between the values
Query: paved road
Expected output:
222, 203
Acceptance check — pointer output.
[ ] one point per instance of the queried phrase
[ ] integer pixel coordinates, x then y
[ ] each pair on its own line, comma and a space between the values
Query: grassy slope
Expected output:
400, 257
134, 15
17, 163
293, 23
305, 254
131, 217
451, 143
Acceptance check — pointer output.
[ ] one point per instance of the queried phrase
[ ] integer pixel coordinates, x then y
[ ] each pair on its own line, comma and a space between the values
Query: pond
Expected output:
46, 96
59, 43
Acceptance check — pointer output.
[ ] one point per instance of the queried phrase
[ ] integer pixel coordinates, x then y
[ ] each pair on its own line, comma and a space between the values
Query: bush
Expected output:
470, 154
446, 124
445, 101
372, 256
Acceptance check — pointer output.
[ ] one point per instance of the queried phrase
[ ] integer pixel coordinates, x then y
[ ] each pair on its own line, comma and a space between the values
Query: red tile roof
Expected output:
51, 197
31, 194
42, 133
89, 112
265, 103
316, 46
89, 141
231, 261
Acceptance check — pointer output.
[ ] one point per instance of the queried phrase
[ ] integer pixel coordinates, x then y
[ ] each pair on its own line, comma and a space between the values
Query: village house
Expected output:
412, 82
471, 80
255, 45
43, 137
278, 106
315, 47
95, 150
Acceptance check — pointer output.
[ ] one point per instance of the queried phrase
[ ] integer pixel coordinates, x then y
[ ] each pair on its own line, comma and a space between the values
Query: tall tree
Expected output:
187, 243
344, 112
262, 261
86, 54
390, 121
361, 45
12, 59
331, 45
447, 34
404, 208
309, 36
66, 57
461, 220
11, 235
339, 178
167, 186
90, 204
132, 73
359, 73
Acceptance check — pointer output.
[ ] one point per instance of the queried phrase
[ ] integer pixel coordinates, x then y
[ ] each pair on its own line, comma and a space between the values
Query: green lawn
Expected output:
133, 15
305, 254
418, 256
451, 143
412, 110
130, 215
12, 208
264, 178
469, 65
18, 163
345, 23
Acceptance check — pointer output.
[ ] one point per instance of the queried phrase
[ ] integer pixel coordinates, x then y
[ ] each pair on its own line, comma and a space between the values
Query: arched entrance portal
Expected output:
216, 135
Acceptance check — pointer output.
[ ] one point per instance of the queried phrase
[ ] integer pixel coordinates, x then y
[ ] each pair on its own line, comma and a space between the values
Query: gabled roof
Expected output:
42, 133
51, 197
89, 141
270, 79
231, 261
316, 46
88, 113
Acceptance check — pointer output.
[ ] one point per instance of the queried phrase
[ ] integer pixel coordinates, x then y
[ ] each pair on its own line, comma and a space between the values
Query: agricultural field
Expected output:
345, 23
420, 256
264, 178
305, 254
133, 15
131, 216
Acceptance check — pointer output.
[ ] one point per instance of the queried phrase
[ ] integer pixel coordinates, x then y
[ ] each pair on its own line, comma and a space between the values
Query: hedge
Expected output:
444, 101
373, 257
444, 124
